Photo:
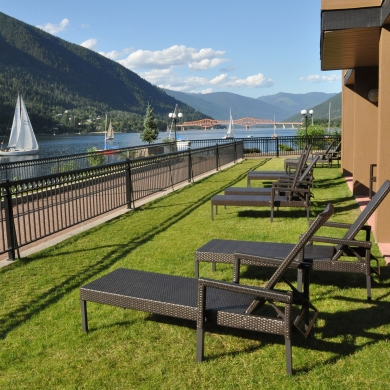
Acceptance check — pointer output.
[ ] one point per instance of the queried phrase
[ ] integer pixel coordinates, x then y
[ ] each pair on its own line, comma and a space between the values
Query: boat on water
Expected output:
110, 132
22, 139
108, 149
230, 130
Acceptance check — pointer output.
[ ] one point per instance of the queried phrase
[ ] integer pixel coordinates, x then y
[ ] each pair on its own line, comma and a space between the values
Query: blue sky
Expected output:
249, 47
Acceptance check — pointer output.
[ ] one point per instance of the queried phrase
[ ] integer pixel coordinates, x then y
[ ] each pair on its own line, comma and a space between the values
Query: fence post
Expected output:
9, 221
235, 151
129, 186
189, 166
277, 146
216, 156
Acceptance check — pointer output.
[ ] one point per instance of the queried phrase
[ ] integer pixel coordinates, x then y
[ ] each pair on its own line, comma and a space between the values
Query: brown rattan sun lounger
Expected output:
277, 175
325, 157
209, 301
345, 254
284, 185
297, 198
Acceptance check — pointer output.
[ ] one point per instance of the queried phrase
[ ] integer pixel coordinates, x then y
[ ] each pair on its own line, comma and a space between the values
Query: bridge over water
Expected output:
245, 122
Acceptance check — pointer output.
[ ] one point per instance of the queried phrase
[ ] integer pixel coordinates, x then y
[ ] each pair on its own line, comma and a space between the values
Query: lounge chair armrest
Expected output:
271, 261
344, 225
342, 241
257, 292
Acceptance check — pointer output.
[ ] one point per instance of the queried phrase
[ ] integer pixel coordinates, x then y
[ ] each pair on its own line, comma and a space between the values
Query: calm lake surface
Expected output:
61, 145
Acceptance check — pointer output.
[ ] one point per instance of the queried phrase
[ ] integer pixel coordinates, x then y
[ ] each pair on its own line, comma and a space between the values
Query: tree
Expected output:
150, 132
312, 131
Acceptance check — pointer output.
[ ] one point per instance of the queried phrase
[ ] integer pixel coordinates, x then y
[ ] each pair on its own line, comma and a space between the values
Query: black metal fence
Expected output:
253, 147
34, 208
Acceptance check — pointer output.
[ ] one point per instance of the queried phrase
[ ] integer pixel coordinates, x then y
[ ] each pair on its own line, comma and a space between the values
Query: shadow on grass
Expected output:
18, 316
343, 333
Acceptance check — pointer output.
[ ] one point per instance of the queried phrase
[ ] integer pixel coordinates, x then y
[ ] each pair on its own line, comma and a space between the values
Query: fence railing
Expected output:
35, 208
253, 147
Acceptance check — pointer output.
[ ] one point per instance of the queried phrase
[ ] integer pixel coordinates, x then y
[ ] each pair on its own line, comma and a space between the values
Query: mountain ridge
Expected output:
281, 106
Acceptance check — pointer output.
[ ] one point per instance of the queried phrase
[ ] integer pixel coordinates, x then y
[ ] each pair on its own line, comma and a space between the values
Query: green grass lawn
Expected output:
42, 344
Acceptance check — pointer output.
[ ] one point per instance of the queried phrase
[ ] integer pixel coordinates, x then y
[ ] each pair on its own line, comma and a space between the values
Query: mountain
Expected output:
321, 111
56, 77
293, 102
281, 106
218, 104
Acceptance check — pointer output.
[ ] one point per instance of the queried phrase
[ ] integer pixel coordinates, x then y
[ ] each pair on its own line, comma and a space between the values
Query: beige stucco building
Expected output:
355, 38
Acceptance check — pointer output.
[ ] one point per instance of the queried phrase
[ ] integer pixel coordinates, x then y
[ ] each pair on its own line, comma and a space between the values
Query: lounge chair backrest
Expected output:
318, 222
337, 148
301, 163
328, 149
365, 214
309, 168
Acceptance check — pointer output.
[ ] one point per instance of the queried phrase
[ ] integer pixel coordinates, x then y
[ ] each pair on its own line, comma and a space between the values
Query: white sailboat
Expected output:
110, 132
230, 130
22, 139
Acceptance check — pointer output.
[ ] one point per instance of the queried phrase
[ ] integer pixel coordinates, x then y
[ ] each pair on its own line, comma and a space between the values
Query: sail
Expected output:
230, 131
26, 139
13, 138
110, 132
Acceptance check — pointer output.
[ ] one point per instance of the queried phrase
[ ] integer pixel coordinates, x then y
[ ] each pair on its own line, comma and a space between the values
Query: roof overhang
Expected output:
350, 32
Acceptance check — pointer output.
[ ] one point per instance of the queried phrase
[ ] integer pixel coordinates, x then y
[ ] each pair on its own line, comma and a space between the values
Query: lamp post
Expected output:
306, 115
175, 116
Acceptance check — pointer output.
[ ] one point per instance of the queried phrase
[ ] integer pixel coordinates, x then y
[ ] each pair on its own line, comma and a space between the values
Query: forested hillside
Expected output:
70, 88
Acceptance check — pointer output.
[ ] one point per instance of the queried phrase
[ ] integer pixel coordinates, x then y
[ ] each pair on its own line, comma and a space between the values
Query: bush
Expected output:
252, 150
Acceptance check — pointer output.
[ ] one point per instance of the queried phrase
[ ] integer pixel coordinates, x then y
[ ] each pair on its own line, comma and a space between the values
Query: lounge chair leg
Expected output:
196, 269
84, 319
299, 279
213, 266
199, 344
288, 357
368, 280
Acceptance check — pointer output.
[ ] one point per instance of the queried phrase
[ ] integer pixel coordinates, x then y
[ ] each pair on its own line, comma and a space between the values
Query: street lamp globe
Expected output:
175, 116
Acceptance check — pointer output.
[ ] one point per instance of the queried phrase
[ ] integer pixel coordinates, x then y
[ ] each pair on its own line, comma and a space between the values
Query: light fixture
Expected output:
175, 116
306, 115
373, 96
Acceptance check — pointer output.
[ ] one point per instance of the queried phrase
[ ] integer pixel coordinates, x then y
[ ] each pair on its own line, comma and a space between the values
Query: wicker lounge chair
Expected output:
276, 175
205, 300
299, 197
325, 157
343, 255
282, 186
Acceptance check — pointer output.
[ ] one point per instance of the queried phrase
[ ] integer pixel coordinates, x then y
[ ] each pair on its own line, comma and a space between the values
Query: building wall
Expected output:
382, 225
348, 129
366, 129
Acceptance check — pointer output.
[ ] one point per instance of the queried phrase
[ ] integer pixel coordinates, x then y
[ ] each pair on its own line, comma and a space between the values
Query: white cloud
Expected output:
90, 44
114, 55
55, 28
174, 56
206, 63
320, 79
166, 78
160, 68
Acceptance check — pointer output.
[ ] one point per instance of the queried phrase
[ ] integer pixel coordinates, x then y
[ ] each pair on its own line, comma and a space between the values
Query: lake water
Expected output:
61, 145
